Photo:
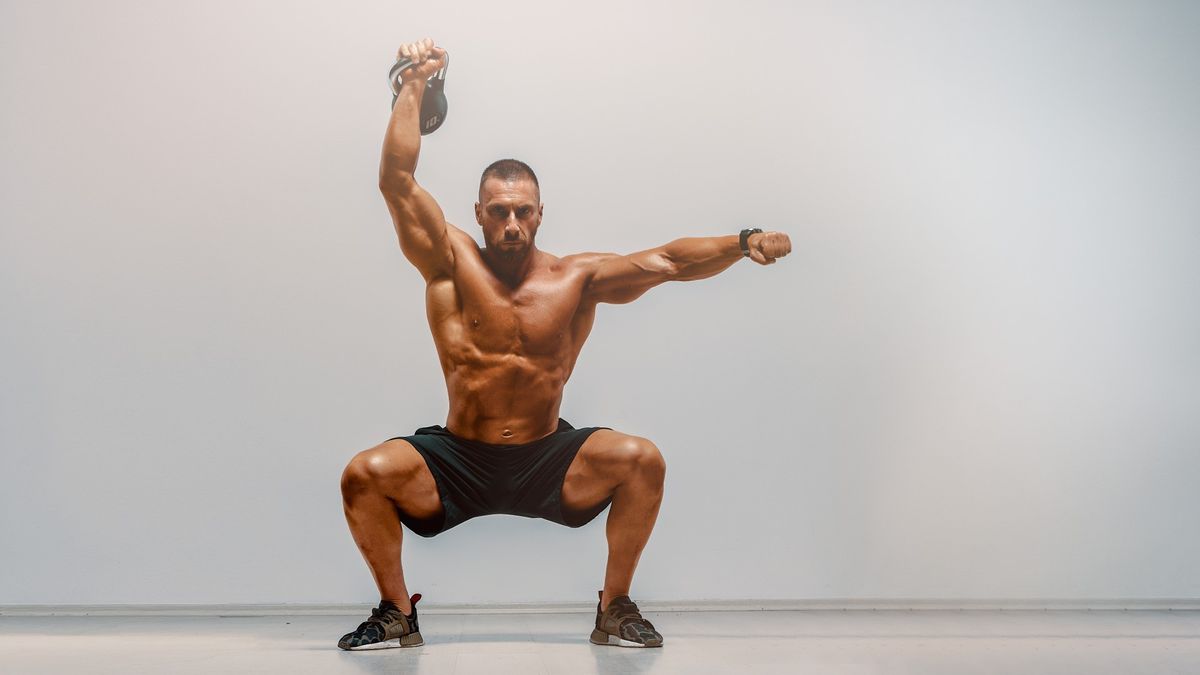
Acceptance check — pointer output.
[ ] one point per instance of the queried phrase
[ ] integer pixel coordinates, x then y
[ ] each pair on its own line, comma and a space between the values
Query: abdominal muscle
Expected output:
506, 352
505, 398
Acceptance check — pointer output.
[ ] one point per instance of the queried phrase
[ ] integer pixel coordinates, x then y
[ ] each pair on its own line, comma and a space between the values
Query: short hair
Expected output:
509, 169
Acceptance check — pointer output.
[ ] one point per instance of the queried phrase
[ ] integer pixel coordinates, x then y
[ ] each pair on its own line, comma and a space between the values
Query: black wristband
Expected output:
744, 240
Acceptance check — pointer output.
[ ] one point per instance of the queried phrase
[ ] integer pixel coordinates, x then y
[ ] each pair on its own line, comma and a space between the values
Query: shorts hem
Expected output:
560, 513
426, 527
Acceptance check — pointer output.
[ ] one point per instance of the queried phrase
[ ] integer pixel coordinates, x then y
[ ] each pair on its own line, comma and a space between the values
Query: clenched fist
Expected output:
427, 60
765, 247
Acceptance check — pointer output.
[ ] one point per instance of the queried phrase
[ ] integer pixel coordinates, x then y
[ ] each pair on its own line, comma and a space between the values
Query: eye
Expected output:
523, 211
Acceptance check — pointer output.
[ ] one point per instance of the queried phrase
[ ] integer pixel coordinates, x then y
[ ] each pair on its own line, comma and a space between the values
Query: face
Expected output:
509, 213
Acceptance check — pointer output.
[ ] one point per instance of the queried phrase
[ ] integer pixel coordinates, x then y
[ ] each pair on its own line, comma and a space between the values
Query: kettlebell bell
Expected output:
433, 100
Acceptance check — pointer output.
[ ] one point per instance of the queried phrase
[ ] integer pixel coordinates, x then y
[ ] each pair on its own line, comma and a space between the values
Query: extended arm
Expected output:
420, 223
624, 278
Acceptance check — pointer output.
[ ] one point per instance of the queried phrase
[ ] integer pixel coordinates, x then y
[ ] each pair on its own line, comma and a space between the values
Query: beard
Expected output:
511, 251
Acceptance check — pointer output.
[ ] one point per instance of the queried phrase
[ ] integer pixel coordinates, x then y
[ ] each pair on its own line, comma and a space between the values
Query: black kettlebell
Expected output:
433, 101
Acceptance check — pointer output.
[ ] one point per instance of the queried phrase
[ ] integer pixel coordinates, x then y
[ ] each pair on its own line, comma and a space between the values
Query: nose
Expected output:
511, 231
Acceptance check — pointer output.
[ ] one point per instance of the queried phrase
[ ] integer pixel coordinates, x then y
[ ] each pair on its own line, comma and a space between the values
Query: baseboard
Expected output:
913, 605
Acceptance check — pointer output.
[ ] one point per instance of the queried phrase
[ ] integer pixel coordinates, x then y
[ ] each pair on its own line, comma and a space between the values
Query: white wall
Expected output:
977, 376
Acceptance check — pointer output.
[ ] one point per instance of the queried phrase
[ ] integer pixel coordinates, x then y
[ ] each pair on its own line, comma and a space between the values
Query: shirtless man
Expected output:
508, 321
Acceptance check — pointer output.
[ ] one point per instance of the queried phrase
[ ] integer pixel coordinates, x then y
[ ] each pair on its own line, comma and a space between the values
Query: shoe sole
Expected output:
599, 637
410, 640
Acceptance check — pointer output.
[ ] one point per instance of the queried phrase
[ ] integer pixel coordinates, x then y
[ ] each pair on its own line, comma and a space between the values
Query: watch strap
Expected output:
744, 240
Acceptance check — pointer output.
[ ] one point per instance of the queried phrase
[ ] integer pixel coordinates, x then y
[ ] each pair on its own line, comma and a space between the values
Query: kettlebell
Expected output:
433, 100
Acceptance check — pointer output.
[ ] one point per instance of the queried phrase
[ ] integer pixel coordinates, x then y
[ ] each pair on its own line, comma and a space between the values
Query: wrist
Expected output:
412, 87
745, 239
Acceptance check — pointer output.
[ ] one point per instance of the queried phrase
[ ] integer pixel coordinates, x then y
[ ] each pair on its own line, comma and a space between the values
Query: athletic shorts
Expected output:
479, 479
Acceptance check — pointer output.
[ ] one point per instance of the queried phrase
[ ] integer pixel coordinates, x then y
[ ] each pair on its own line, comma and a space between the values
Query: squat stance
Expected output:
508, 321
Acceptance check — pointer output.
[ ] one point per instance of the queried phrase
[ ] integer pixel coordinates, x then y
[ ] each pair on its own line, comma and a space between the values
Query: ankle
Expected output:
404, 604
606, 598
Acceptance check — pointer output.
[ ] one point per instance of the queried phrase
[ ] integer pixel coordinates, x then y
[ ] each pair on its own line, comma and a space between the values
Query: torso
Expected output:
507, 352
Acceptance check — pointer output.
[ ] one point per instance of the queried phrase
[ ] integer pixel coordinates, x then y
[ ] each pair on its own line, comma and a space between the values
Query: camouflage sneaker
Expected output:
622, 625
388, 627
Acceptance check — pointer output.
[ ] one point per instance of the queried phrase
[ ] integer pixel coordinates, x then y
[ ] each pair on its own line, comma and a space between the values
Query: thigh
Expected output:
400, 473
603, 462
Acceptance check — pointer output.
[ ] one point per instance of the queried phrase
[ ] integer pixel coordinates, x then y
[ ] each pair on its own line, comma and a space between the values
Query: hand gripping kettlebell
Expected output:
433, 100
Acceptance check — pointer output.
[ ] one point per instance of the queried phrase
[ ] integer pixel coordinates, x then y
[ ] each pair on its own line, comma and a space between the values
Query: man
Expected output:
508, 321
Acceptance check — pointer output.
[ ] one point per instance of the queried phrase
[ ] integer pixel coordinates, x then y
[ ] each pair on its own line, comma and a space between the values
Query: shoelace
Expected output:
634, 615
376, 617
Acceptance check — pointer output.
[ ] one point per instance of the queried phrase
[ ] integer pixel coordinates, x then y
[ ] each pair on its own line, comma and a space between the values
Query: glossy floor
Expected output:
924, 642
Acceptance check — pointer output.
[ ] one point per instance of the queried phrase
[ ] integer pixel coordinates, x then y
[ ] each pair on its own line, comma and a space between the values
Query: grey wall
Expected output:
977, 376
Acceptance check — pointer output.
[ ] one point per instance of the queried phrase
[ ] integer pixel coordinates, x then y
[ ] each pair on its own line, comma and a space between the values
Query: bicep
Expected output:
618, 279
421, 228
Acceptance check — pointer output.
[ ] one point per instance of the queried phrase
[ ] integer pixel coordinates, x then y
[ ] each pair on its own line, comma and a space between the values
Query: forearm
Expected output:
402, 142
701, 257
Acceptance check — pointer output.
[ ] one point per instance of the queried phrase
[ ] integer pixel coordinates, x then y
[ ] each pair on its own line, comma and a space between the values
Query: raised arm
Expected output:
420, 223
624, 278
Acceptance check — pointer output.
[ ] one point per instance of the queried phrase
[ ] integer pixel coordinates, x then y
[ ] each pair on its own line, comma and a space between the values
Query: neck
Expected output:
510, 270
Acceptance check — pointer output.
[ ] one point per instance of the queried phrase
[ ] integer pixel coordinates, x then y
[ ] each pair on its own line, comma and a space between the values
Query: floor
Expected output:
924, 642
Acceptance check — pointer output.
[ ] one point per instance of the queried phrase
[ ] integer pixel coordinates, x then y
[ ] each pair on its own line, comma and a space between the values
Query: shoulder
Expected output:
461, 241
588, 263
457, 234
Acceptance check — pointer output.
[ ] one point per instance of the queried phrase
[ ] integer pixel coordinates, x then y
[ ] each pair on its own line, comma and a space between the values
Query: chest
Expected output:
532, 319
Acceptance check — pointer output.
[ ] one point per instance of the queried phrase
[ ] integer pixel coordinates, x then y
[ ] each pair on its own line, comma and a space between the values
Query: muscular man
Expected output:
508, 321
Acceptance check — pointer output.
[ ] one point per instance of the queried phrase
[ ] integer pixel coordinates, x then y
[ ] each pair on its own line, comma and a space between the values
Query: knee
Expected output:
364, 471
644, 458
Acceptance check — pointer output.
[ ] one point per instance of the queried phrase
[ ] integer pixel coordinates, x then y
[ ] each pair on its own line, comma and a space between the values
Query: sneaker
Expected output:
388, 627
622, 625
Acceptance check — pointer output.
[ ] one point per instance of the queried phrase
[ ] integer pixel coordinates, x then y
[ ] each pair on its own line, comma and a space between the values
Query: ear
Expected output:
478, 215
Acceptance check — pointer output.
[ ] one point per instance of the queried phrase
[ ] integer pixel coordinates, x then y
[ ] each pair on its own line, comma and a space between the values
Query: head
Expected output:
509, 208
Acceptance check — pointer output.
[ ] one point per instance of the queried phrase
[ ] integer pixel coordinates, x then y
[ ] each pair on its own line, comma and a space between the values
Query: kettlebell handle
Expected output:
404, 62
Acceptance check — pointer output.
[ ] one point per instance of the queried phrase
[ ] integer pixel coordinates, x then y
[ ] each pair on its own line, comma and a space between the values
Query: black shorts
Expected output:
478, 479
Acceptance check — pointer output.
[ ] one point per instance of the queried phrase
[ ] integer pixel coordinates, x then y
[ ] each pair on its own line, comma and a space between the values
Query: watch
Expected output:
744, 239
